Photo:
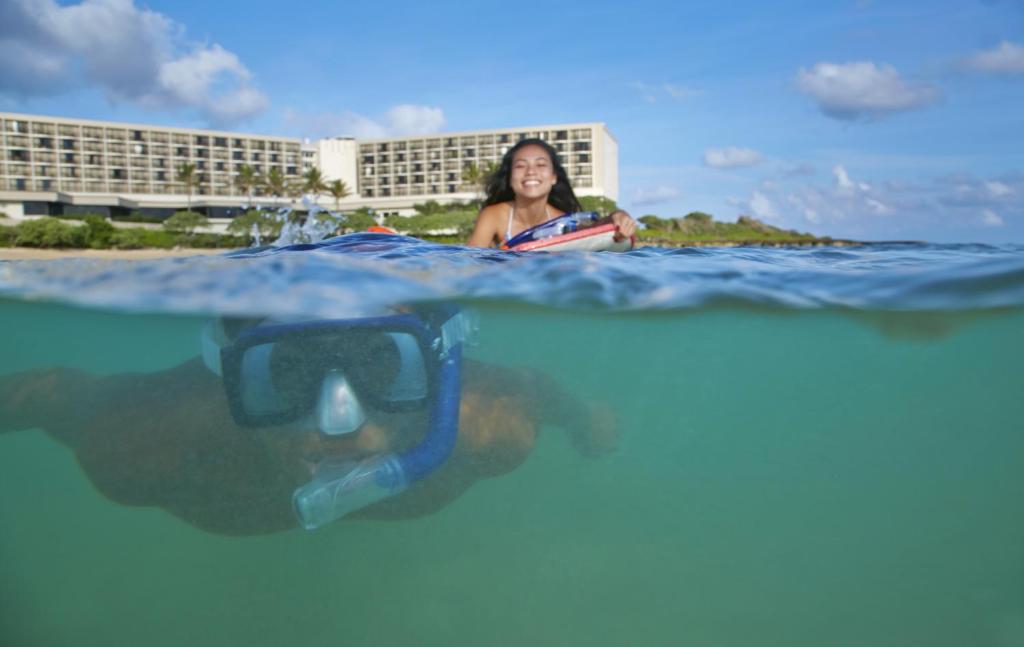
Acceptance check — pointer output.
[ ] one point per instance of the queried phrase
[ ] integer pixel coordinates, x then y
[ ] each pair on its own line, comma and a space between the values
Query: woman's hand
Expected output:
625, 224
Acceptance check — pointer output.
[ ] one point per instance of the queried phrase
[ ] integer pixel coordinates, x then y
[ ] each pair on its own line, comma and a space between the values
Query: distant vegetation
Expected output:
95, 232
699, 227
450, 223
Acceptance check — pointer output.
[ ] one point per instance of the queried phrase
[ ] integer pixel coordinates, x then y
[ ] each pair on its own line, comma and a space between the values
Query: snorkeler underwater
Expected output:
302, 422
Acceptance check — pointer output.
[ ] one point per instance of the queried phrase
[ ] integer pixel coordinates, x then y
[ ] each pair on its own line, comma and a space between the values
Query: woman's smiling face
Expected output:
533, 174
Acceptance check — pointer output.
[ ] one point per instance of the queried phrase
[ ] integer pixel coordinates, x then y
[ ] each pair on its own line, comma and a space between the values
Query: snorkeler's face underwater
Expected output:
370, 362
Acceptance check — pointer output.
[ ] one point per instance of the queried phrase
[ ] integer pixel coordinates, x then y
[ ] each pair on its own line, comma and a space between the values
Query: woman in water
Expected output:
528, 188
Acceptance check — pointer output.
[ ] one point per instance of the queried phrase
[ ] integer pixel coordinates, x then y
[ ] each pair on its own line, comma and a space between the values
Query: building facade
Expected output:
59, 166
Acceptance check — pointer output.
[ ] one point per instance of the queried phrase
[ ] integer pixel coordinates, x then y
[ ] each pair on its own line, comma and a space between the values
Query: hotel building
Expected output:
58, 166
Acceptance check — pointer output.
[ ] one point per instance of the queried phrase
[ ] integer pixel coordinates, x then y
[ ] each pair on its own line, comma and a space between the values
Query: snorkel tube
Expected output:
341, 487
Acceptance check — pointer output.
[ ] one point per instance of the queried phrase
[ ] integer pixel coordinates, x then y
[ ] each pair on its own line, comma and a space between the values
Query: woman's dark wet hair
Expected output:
499, 188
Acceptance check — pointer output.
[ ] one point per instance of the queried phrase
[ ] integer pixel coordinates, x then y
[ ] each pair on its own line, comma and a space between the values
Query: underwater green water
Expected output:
788, 479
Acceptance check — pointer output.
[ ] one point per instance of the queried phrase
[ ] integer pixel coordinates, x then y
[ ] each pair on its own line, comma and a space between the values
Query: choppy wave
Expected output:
363, 273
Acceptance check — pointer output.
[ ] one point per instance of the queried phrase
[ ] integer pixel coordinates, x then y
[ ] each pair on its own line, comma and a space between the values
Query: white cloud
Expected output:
651, 93
132, 54
680, 92
1005, 58
401, 120
961, 207
863, 90
998, 189
731, 157
990, 218
414, 120
844, 185
762, 206
654, 195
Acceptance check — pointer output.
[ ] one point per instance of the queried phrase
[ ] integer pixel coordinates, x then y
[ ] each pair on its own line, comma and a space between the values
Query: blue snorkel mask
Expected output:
321, 373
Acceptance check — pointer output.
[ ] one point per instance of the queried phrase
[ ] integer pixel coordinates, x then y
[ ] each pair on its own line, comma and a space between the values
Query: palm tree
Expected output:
314, 182
475, 177
187, 176
247, 180
339, 191
294, 190
274, 183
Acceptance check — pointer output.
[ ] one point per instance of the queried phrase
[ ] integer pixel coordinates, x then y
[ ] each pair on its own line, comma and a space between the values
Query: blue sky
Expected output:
867, 119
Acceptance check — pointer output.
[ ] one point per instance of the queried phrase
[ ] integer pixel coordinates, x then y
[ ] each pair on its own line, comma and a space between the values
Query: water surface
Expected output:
819, 446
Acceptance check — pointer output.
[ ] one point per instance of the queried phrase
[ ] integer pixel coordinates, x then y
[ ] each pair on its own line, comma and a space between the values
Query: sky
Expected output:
861, 119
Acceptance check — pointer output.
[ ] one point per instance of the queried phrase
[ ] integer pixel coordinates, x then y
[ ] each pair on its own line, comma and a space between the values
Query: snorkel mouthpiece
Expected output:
340, 488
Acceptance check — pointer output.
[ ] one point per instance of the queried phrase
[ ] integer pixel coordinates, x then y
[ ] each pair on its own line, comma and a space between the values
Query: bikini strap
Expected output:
508, 228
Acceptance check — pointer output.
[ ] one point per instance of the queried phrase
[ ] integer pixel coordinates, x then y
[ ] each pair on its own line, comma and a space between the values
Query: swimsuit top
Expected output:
511, 216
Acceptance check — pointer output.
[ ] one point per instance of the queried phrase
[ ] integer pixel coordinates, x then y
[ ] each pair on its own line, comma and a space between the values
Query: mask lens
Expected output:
286, 377
410, 383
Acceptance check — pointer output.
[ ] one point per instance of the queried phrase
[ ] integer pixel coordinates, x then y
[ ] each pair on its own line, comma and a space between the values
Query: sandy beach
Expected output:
30, 253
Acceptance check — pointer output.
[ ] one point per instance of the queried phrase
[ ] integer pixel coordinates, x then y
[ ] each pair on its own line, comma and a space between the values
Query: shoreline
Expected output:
46, 254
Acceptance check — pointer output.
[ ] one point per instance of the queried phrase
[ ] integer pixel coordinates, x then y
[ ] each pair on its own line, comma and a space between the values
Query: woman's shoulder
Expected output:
496, 210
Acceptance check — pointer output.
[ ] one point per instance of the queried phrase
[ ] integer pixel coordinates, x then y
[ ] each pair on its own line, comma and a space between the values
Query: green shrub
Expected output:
127, 239
49, 232
268, 225
461, 221
600, 204
215, 241
358, 220
654, 223
429, 208
186, 222
7, 235
98, 232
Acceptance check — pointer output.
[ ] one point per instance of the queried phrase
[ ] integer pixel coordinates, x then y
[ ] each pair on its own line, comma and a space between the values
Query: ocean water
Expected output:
816, 447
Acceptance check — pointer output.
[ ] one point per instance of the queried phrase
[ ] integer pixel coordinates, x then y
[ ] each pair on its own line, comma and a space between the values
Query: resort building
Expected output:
58, 166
